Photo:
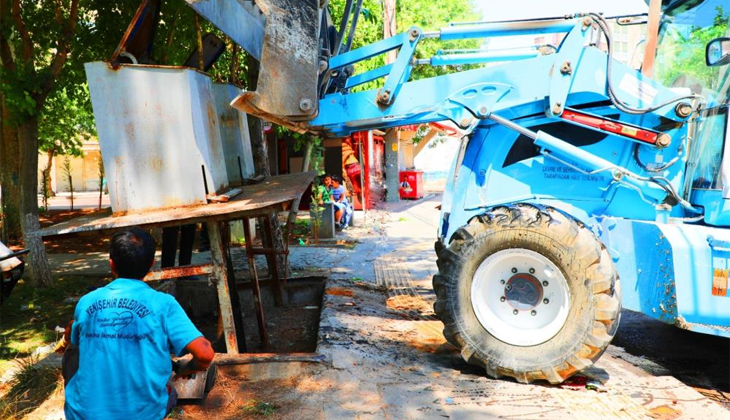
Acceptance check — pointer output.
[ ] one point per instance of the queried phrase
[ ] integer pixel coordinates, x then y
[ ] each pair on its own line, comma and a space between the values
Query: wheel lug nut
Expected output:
502, 299
515, 312
532, 271
508, 287
514, 270
545, 283
533, 313
546, 301
501, 282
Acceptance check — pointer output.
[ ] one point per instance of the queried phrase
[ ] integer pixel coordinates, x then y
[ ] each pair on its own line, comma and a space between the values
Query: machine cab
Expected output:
693, 56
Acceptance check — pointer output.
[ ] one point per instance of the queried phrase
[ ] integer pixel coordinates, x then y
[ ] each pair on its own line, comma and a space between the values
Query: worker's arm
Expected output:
185, 338
203, 355
63, 344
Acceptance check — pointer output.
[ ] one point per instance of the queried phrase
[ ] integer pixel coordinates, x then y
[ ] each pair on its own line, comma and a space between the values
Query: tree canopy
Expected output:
427, 15
681, 54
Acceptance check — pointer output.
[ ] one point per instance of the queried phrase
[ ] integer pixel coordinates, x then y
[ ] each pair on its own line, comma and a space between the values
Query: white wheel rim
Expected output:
520, 297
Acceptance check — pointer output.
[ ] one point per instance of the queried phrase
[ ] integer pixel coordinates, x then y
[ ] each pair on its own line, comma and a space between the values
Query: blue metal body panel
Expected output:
483, 57
667, 271
717, 209
359, 79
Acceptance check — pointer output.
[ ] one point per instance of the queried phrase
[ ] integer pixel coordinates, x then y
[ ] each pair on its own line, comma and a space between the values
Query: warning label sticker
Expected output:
720, 266
639, 90
719, 281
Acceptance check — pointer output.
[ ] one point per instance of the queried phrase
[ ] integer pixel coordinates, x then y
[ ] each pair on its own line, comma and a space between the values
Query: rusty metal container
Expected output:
160, 137
234, 134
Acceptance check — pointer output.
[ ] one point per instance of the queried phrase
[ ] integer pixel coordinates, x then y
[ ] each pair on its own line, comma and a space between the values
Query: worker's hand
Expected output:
184, 369
203, 356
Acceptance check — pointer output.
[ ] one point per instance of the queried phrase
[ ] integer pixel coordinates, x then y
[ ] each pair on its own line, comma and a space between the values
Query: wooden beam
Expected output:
249, 358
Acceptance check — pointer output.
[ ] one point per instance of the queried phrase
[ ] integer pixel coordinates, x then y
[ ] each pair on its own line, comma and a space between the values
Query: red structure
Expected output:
411, 185
366, 178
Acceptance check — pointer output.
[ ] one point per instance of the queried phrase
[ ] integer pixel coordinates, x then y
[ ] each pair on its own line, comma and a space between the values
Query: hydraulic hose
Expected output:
623, 106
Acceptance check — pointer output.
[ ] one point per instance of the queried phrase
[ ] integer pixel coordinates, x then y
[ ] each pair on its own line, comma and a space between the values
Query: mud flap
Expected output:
287, 85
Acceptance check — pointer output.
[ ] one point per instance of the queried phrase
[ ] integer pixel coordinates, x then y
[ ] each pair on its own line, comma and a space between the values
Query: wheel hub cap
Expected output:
520, 296
523, 292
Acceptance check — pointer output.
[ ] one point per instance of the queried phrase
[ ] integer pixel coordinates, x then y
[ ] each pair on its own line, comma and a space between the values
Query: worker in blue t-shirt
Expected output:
343, 210
125, 333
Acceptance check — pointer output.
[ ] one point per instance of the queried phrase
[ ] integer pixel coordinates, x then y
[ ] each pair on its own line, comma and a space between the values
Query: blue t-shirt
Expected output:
125, 333
339, 192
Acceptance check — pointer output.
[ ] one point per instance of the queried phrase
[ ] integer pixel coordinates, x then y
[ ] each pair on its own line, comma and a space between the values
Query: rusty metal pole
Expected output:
255, 280
220, 276
652, 37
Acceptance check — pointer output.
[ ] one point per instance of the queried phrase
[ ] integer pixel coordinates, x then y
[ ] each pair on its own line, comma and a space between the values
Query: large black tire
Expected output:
595, 307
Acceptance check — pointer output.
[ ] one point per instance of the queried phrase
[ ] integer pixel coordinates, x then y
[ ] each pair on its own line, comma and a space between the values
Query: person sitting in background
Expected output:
323, 191
343, 210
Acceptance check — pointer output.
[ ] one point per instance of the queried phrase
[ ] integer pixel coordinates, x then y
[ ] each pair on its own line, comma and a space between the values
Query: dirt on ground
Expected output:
409, 303
272, 399
338, 291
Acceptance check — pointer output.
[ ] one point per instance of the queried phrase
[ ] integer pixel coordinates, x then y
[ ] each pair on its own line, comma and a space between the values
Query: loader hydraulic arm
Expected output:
530, 84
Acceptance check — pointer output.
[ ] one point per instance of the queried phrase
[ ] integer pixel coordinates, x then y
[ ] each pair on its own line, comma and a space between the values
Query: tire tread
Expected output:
601, 276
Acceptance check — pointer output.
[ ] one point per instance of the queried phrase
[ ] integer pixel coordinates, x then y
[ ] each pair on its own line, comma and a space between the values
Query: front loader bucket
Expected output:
284, 36
287, 84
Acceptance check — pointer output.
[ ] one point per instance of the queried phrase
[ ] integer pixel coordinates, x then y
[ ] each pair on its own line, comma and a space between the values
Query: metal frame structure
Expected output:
256, 201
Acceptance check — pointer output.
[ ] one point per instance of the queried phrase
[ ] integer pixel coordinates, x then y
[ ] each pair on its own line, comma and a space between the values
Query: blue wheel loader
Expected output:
577, 170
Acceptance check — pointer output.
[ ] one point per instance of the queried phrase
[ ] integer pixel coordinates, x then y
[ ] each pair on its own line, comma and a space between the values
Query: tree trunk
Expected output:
295, 204
71, 188
47, 171
39, 269
9, 177
308, 154
101, 181
260, 151
47, 191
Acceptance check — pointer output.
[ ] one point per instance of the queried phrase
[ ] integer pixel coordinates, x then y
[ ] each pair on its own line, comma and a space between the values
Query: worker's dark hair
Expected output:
133, 251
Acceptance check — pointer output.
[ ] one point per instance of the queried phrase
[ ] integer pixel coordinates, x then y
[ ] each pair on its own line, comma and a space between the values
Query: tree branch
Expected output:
170, 37
233, 71
6, 56
59, 13
59, 59
27, 43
